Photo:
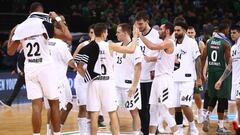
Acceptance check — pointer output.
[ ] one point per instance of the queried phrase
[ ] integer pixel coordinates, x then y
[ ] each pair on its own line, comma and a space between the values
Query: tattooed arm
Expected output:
226, 73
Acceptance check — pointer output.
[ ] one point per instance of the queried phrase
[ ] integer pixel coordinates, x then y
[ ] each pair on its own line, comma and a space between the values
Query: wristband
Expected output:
58, 19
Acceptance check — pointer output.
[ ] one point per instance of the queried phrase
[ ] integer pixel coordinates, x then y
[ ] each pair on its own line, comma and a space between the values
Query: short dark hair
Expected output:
142, 15
169, 26
223, 26
191, 27
235, 27
99, 28
34, 6
179, 19
125, 27
90, 27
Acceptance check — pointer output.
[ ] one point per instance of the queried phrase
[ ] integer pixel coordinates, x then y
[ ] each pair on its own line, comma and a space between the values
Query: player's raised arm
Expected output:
61, 30
12, 45
124, 49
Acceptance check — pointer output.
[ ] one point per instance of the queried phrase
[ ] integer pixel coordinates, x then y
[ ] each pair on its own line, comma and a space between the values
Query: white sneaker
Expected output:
194, 131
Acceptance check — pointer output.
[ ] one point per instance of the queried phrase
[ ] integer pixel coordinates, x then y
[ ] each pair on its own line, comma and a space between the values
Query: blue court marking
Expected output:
231, 116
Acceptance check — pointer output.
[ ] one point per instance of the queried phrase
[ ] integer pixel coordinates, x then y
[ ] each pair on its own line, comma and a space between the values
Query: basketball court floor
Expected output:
17, 121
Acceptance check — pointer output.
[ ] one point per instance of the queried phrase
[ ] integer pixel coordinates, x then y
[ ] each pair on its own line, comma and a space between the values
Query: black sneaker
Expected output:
101, 125
100, 118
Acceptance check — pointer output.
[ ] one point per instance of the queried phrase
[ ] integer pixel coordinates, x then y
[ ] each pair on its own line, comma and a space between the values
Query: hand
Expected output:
146, 58
198, 82
52, 15
131, 91
218, 85
135, 31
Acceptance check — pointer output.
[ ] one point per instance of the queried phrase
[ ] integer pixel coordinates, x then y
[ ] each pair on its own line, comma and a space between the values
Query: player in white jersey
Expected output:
147, 73
162, 92
33, 35
234, 66
102, 92
188, 55
81, 89
127, 84
197, 92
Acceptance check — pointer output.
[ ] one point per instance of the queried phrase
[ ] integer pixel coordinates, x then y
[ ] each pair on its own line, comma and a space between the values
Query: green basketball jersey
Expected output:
216, 59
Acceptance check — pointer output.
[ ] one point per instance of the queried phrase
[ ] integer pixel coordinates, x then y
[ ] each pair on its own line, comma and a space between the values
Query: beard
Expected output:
180, 36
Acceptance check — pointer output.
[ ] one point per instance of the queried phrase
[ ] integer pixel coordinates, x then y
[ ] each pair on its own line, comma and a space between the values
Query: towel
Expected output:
32, 26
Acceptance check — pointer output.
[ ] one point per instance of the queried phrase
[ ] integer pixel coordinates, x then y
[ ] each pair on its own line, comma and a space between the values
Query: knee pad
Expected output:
221, 104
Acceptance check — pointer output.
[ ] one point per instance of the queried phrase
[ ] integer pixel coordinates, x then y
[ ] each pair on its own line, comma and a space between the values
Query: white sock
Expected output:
136, 132
220, 123
192, 124
49, 130
36, 133
88, 126
151, 134
61, 126
82, 124
56, 133
176, 132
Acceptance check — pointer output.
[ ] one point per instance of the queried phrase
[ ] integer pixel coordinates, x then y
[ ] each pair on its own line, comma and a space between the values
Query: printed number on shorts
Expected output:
133, 101
35, 47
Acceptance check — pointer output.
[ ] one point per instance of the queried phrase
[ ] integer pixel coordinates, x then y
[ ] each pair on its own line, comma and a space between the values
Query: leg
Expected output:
136, 120
154, 113
64, 113
36, 115
144, 112
198, 100
55, 115
20, 82
114, 122
94, 122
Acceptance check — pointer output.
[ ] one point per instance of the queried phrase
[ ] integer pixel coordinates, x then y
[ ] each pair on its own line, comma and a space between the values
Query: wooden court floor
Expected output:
17, 121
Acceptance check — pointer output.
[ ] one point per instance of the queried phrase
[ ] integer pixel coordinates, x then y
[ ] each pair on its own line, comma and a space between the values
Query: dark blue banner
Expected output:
8, 81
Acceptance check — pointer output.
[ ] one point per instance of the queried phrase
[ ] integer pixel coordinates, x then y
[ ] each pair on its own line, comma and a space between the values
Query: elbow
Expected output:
10, 52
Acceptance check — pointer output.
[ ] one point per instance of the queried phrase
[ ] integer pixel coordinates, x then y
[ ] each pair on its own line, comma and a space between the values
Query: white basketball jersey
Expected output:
104, 64
165, 62
60, 54
147, 67
36, 52
186, 52
235, 52
124, 67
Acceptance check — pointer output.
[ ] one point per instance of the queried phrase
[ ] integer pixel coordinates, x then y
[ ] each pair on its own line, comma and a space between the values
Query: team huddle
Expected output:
155, 74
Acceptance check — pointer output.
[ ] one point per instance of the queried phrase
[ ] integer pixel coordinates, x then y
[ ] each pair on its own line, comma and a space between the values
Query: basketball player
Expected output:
162, 91
33, 35
81, 90
147, 73
99, 73
234, 66
60, 52
218, 53
34, 7
127, 84
185, 77
196, 94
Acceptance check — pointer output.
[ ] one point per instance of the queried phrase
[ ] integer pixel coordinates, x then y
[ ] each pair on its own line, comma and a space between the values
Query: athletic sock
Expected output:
220, 123
56, 133
179, 118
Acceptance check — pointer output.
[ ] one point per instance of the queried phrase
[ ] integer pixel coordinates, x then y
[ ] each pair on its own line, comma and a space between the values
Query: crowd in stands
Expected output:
201, 14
